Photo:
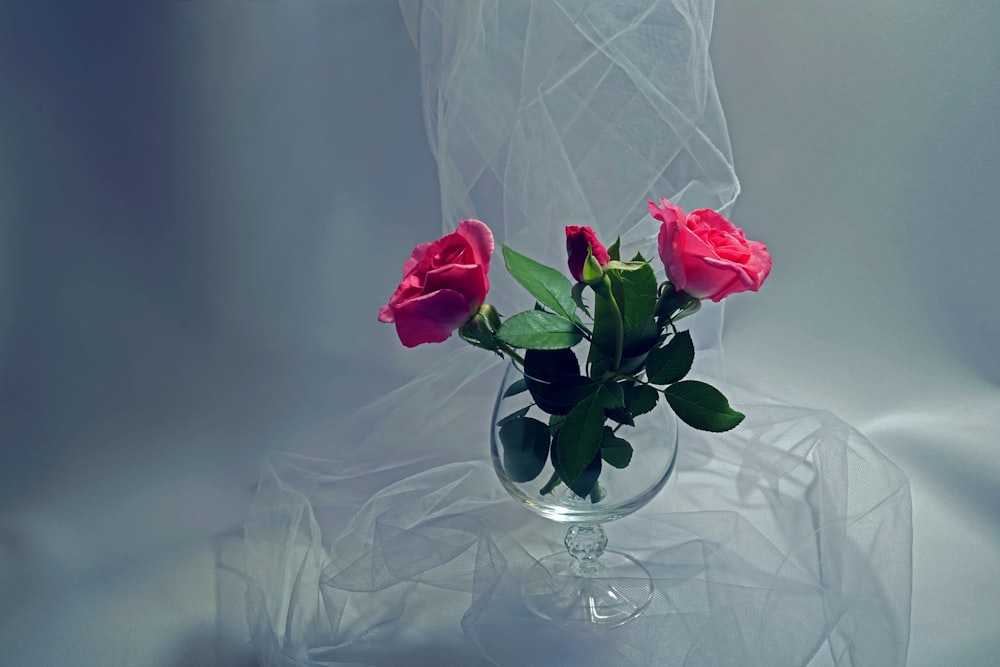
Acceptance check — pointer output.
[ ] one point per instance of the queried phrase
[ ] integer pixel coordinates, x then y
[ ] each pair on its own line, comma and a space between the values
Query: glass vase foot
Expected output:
613, 595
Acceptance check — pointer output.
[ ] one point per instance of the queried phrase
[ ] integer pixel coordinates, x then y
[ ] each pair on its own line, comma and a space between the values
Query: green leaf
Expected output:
516, 388
599, 362
549, 365
640, 399
671, 362
584, 481
615, 265
554, 380
517, 414
620, 415
614, 450
561, 396
539, 330
544, 283
615, 250
635, 352
555, 421
702, 406
580, 436
525, 448
542, 368
639, 299
614, 395
640, 340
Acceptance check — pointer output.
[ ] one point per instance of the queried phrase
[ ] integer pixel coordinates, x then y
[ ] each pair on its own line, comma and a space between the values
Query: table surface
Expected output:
189, 276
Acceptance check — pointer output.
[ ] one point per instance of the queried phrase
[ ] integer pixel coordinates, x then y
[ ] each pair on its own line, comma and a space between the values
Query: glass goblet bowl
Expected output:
587, 583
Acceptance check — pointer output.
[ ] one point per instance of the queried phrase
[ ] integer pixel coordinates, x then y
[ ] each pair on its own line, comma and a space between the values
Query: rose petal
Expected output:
411, 287
706, 276
697, 241
480, 238
710, 218
728, 278
467, 279
760, 263
415, 258
670, 245
441, 253
668, 213
671, 240
730, 248
430, 318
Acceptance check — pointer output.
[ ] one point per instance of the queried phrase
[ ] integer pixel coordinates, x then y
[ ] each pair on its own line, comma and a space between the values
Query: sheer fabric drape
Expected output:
784, 542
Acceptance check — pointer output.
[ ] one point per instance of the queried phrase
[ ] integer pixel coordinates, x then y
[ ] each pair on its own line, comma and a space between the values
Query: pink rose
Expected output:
706, 255
444, 284
578, 240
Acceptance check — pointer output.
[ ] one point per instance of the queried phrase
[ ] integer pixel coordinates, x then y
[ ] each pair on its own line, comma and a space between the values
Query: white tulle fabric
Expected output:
784, 542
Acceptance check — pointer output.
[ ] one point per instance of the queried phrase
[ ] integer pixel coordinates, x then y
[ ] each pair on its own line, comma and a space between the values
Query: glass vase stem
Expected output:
586, 543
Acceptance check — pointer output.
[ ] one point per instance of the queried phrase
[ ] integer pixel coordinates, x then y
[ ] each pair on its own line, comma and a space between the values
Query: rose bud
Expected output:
581, 242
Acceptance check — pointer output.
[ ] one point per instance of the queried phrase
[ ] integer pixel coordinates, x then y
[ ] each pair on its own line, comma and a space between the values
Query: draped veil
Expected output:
784, 542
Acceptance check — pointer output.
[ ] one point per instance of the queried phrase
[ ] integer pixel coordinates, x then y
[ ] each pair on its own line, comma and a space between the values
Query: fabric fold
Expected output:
784, 542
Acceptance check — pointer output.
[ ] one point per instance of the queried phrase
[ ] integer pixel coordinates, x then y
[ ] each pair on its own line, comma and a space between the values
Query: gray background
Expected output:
202, 206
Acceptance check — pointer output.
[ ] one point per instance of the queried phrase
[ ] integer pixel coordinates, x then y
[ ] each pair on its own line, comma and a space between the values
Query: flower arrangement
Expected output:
636, 353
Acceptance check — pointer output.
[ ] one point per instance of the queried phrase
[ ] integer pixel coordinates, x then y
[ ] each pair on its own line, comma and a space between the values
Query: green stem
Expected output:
512, 353
550, 485
584, 331
481, 331
603, 289
638, 380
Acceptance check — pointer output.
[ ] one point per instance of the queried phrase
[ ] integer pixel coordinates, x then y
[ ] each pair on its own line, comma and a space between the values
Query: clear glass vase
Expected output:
587, 583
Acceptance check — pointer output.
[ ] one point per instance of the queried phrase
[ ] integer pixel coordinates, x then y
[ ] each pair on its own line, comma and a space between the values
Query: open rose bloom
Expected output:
707, 256
444, 284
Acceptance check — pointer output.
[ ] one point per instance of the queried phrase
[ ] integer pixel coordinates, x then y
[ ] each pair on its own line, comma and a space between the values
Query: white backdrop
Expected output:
202, 207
